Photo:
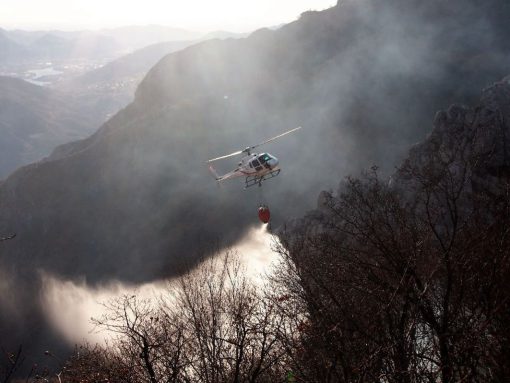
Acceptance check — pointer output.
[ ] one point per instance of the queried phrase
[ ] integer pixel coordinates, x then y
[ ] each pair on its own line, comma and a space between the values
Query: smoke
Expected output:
70, 305
257, 252
8, 301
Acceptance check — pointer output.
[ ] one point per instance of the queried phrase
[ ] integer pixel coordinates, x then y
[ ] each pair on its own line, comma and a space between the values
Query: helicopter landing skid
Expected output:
255, 180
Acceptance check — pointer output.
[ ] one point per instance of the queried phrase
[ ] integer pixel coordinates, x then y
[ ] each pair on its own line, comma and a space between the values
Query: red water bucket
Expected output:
264, 214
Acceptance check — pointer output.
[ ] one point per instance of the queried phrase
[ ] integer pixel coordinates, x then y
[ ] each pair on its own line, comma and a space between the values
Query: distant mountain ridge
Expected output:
33, 120
139, 36
18, 46
10, 48
121, 77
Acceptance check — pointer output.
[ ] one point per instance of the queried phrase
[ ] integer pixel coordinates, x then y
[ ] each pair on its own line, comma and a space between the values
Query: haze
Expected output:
200, 15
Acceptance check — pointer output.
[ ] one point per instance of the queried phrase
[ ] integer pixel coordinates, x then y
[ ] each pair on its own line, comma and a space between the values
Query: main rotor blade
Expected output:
222, 157
252, 147
274, 138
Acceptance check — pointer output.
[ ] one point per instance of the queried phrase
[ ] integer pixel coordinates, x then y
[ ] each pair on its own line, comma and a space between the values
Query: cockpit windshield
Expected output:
263, 158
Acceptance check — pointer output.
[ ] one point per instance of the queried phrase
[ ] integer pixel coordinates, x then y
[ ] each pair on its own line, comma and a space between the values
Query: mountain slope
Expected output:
137, 37
112, 86
33, 121
21, 47
136, 64
115, 83
10, 49
135, 202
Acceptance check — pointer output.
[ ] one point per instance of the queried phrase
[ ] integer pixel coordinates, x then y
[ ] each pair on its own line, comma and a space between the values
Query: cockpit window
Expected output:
264, 158
255, 163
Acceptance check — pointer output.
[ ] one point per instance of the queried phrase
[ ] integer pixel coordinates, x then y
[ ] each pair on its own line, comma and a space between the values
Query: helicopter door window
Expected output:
255, 163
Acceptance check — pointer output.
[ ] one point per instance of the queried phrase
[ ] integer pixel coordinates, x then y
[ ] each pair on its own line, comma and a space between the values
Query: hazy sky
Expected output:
201, 15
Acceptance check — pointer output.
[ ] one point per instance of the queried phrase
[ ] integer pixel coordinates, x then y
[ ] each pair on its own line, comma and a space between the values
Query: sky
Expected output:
197, 15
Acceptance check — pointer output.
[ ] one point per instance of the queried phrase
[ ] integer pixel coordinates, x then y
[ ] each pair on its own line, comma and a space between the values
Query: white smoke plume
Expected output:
70, 305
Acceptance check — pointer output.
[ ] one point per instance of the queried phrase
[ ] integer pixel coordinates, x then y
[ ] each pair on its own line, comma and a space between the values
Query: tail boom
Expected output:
216, 176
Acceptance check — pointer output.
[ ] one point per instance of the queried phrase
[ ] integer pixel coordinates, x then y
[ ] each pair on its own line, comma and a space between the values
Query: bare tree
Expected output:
141, 336
96, 364
231, 327
10, 364
211, 326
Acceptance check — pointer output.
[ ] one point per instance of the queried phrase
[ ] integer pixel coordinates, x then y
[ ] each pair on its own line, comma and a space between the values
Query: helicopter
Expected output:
255, 167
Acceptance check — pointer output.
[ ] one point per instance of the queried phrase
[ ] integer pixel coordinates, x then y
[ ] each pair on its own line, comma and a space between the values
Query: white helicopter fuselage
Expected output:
257, 164
251, 166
